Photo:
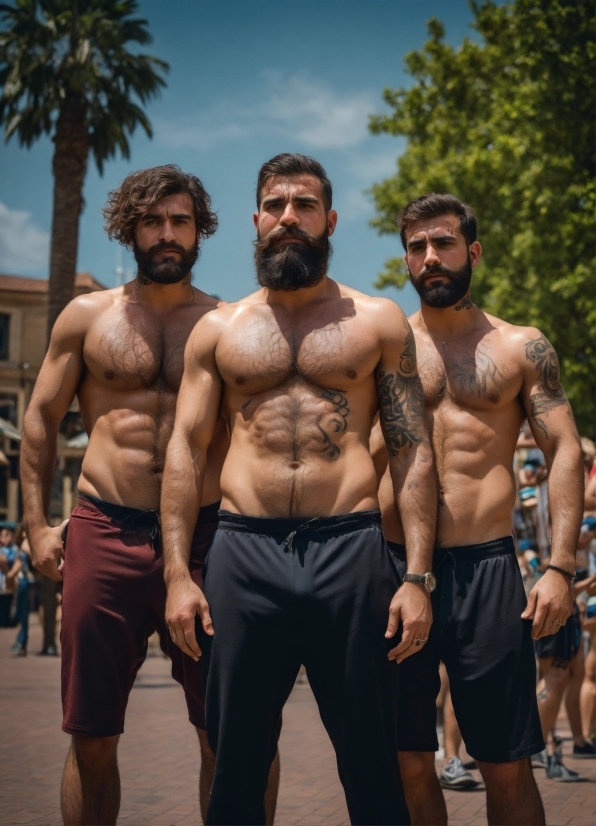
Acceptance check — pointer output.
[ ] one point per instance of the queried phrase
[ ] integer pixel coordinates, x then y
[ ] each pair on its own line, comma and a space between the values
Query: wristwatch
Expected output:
428, 579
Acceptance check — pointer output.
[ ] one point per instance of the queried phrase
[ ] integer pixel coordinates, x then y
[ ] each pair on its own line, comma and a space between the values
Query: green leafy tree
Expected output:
65, 71
507, 124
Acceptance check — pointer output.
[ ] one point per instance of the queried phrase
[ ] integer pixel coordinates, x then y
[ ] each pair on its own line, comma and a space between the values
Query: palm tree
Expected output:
66, 72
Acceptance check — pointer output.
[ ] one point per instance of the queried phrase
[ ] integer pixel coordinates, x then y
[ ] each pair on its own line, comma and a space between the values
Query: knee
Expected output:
94, 752
416, 766
505, 778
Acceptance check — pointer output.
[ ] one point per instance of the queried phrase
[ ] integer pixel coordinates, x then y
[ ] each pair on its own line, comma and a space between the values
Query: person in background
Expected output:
21, 568
7, 575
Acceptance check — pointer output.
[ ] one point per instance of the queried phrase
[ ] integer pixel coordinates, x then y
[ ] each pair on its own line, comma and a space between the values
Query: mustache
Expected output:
267, 243
436, 270
166, 246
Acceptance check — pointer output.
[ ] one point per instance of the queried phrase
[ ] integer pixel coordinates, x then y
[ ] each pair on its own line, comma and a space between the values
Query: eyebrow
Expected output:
302, 199
152, 215
416, 241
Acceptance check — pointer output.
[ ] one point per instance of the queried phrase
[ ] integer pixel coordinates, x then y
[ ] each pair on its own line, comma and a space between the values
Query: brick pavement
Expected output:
159, 756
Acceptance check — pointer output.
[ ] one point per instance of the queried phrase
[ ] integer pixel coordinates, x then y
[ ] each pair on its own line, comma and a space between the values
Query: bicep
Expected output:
546, 405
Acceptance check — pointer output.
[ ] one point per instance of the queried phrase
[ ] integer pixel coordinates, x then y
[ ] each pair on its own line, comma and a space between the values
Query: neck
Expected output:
162, 296
296, 299
448, 320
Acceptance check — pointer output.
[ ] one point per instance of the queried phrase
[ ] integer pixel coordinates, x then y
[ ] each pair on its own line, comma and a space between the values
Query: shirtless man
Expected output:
121, 352
298, 571
481, 378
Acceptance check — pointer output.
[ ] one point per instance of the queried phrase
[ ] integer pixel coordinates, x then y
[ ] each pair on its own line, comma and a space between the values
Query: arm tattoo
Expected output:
401, 407
407, 361
549, 393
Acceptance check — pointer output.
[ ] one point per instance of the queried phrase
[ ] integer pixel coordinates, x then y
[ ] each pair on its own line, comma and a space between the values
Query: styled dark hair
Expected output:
291, 163
429, 206
139, 190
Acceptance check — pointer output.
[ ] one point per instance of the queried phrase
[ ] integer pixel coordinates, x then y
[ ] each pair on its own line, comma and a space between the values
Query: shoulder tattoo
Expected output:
549, 393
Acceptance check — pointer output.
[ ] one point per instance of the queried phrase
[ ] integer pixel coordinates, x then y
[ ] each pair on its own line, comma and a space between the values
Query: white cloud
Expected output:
297, 106
24, 247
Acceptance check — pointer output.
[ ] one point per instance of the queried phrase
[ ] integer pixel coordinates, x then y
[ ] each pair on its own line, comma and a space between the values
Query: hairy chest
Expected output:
263, 355
139, 353
473, 378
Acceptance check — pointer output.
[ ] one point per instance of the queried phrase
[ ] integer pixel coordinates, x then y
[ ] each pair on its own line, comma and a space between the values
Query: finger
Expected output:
206, 620
540, 624
413, 649
407, 640
530, 607
190, 637
394, 617
178, 636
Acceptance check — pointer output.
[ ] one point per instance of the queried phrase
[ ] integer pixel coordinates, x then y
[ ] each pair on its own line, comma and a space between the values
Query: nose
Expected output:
431, 257
167, 231
289, 217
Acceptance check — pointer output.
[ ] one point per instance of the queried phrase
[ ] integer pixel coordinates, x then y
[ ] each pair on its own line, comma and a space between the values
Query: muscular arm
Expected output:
197, 412
411, 465
551, 421
54, 392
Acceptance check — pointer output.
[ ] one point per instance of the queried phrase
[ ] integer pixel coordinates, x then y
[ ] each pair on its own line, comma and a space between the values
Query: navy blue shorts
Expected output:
488, 652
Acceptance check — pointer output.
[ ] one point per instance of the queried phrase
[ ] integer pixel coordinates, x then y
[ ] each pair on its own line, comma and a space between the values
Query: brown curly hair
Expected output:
139, 190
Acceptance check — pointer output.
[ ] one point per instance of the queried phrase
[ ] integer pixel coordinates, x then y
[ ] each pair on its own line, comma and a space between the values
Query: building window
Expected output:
9, 407
4, 336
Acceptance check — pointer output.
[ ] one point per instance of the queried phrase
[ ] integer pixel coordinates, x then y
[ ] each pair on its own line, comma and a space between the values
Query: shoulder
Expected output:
527, 343
76, 318
381, 311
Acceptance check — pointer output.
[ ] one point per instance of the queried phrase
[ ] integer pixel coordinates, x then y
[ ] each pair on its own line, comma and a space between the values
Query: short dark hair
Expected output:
139, 190
291, 163
429, 206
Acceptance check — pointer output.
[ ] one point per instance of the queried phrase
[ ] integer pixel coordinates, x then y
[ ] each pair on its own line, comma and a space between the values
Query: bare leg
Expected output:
587, 699
576, 671
206, 780
91, 783
555, 677
421, 786
451, 729
512, 796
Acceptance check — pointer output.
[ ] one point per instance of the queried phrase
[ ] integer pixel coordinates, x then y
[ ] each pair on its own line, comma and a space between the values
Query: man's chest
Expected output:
472, 378
262, 354
148, 353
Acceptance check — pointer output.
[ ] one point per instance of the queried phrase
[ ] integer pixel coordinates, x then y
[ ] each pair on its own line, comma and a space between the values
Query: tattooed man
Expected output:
121, 352
298, 571
481, 377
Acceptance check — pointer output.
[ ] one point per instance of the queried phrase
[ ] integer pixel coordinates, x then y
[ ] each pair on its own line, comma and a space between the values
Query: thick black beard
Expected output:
166, 271
292, 267
443, 295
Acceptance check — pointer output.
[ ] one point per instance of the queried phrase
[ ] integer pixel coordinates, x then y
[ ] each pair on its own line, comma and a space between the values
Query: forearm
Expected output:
565, 494
38, 461
415, 489
180, 503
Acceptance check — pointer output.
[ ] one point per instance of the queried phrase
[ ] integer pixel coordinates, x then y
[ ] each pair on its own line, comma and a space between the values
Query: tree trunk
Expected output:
69, 166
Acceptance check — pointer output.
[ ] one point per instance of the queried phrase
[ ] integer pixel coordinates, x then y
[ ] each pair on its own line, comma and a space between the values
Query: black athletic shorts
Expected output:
488, 652
283, 592
565, 644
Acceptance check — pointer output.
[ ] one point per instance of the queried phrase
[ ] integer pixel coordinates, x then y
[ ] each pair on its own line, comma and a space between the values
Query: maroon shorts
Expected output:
113, 599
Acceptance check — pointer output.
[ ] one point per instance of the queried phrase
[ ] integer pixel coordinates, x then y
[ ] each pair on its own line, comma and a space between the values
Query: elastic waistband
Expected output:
121, 513
484, 550
209, 513
496, 547
342, 522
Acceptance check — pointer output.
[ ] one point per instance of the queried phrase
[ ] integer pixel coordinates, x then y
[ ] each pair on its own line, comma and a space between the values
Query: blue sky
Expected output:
248, 79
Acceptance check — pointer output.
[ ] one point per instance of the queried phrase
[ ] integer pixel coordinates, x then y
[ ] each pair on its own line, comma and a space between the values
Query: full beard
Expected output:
166, 271
443, 295
293, 266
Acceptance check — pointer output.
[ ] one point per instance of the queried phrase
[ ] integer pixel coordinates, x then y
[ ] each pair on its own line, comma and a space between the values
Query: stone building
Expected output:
23, 314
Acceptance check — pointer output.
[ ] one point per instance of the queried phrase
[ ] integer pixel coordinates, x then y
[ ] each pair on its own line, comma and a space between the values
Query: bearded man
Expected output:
121, 353
298, 571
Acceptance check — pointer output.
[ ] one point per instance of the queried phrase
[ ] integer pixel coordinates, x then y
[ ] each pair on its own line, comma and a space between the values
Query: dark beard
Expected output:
443, 295
164, 271
292, 267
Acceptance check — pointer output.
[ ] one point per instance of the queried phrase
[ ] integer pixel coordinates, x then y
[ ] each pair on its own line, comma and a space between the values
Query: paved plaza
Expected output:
159, 756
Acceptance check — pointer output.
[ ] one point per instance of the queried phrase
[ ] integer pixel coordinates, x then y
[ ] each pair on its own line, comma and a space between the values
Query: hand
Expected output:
47, 548
550, 603
411, 606
185, 601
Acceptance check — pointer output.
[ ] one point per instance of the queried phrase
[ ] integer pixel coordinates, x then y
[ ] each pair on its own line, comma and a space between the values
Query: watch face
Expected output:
431, 582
